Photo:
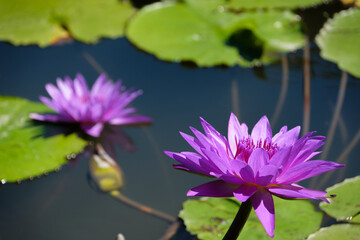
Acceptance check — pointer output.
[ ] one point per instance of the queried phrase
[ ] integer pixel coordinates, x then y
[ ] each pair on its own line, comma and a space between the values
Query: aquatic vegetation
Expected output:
254, 167
105, 103
210, 218
207, 34
29, 150
338, 40
45, 23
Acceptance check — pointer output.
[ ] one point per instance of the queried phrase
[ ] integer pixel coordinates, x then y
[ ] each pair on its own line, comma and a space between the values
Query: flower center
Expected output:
247, 145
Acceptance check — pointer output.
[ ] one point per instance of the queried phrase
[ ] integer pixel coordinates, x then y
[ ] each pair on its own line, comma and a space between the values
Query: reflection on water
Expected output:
62, 205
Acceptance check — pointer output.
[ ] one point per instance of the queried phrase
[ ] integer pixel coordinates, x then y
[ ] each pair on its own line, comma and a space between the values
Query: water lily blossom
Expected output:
105, 103
254, 166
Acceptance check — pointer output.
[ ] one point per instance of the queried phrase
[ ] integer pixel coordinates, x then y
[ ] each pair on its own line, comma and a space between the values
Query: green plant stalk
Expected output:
239, 221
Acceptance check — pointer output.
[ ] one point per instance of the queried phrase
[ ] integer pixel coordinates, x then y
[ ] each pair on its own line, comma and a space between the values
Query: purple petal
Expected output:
243, 170
65, 89
245, 191
308, 149
315, 193
193, 142
53, 92
51, 104
261, 130
280, 133
216, 188
288, 138
266, 175
49, 117
258, 158
263, 204
229, 178
221, 163
236, 133
205, 142
306, 170
218, 141
191, 161
130, 120
296, 191
98, 84
281, 157
80, 87
93, 129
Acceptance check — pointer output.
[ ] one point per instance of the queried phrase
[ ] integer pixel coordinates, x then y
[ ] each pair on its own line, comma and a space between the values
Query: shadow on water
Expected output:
249, 46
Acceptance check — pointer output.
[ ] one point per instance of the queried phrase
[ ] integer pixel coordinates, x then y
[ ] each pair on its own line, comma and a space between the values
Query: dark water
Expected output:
63, 206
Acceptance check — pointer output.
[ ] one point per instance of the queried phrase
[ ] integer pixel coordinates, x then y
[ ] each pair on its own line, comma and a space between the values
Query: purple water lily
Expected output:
254, 167
105, 103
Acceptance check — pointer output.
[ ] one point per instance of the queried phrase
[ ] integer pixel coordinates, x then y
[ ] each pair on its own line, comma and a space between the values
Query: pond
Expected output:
64, 205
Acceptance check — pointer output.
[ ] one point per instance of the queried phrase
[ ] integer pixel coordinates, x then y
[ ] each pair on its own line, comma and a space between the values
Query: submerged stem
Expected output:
143, 208
239, 221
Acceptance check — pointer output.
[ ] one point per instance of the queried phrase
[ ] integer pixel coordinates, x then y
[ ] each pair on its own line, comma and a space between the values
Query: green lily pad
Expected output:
205, 33
210, 218
339, 40
43, 22
25, 152
250, 4
337, 231
346, 204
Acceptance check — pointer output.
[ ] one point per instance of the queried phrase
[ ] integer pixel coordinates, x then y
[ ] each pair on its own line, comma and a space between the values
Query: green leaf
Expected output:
205, 33
346, 204
336, 232
45, 22
210, 218
339, 40
250, 4
25, 152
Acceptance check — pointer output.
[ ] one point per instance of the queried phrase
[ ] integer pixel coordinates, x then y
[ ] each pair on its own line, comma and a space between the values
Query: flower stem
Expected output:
143, 208
239, 221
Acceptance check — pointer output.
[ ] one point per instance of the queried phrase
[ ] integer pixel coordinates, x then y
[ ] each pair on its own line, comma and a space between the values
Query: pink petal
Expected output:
306, 170
236, 133
258, 158
263, 204
93, 129
216, 188
261, 130
245, 191
288, 138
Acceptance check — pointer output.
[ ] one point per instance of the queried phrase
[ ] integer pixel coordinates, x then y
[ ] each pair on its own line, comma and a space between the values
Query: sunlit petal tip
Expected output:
262, 130
191, 193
